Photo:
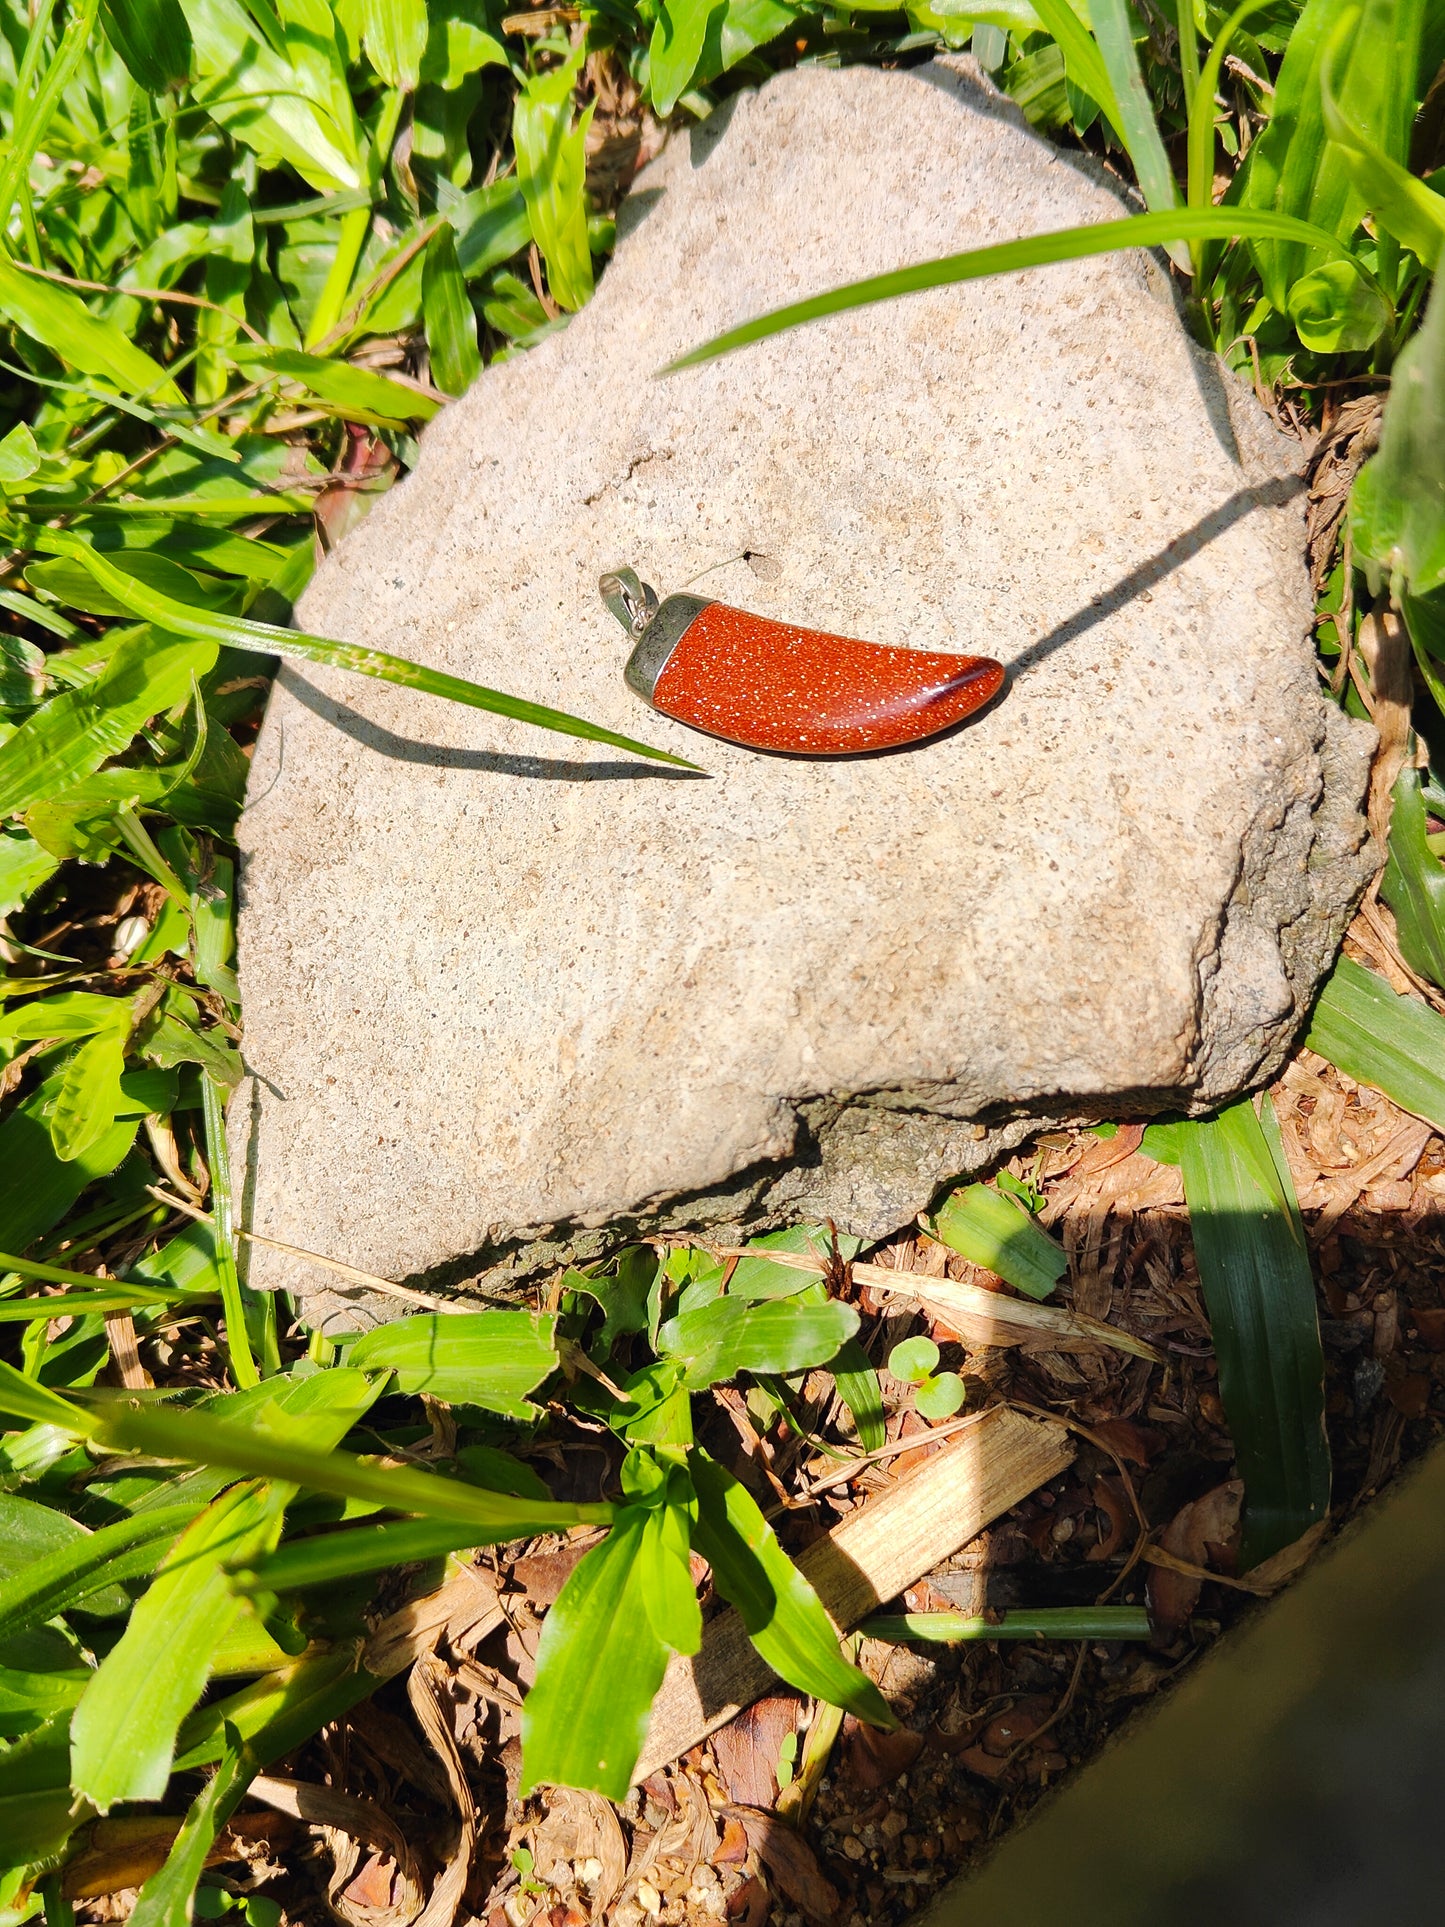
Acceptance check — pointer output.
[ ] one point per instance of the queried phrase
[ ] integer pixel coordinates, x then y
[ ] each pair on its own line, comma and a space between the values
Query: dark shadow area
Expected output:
1271, 494
405, 749
1293, 1778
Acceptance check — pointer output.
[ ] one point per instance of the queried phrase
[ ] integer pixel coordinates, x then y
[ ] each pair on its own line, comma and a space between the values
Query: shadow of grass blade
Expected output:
266, 639
1379, 1038
1035, 251
1258, 1288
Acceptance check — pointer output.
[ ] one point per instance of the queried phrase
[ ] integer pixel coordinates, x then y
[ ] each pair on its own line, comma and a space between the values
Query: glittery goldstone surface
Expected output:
774, 686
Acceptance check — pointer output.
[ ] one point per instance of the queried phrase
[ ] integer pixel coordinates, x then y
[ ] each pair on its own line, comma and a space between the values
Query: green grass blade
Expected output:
166, 1899
551, 171
861, 1392
32, 114
599, 1666
218, 1156
1259, 1293
347, 1554
783, 1615
1395, 1043
198, 1439
1397, 505
236, 633
1414, 882
1133, 111
1084, 60
995, 1232
1011, 257
72, 735
92, 1562
1046, 1622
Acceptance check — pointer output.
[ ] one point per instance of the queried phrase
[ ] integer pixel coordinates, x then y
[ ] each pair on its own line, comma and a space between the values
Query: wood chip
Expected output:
988, 1318
867, 1559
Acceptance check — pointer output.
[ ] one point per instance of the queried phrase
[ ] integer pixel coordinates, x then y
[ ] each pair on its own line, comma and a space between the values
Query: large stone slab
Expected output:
504, 991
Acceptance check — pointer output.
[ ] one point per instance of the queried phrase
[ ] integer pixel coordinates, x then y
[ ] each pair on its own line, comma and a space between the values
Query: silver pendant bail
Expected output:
632, 601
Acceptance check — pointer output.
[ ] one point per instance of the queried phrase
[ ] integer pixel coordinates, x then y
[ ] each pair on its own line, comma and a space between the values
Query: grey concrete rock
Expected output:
506, 994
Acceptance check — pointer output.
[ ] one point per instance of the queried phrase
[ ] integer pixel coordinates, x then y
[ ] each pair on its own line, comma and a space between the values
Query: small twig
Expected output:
366, 1278
141, 294
843, 1473
1157, 1556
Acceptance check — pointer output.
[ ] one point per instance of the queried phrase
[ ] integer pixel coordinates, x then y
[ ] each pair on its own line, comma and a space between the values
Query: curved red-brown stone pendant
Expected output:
773, 686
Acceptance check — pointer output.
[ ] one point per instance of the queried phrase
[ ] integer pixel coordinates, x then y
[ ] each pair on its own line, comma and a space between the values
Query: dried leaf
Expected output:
1212, 1520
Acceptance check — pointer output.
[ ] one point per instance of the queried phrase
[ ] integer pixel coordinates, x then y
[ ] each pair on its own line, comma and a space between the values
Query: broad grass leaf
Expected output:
1335, 312
1254, 1269
1012, 257
36, 1187
37, 1812
1370, 49
24, 866
152, 38
278, 83
67, 1013
167, 1898
85, 1571
394, 33
491, 225
123, 1735
274, 1714
19, 456
754, 1277
73, 584
62, 322
735, 28
199, 1439
784, 1617
1414, 882
451, 323
88, 1096
676, 49
552, 171
1395, 1043
991, 1230
861, 1392
22, 672
599, 1665
668, 1588
1084, 58
487, 1358
74, 733
266, 639
1397, 504
730, 1335
29, 1533
621, 1289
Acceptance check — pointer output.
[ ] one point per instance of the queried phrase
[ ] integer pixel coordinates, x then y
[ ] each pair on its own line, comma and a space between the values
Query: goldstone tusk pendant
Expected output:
773, 686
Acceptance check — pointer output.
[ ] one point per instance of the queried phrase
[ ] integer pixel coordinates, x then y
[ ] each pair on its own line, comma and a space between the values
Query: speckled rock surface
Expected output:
505, 992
